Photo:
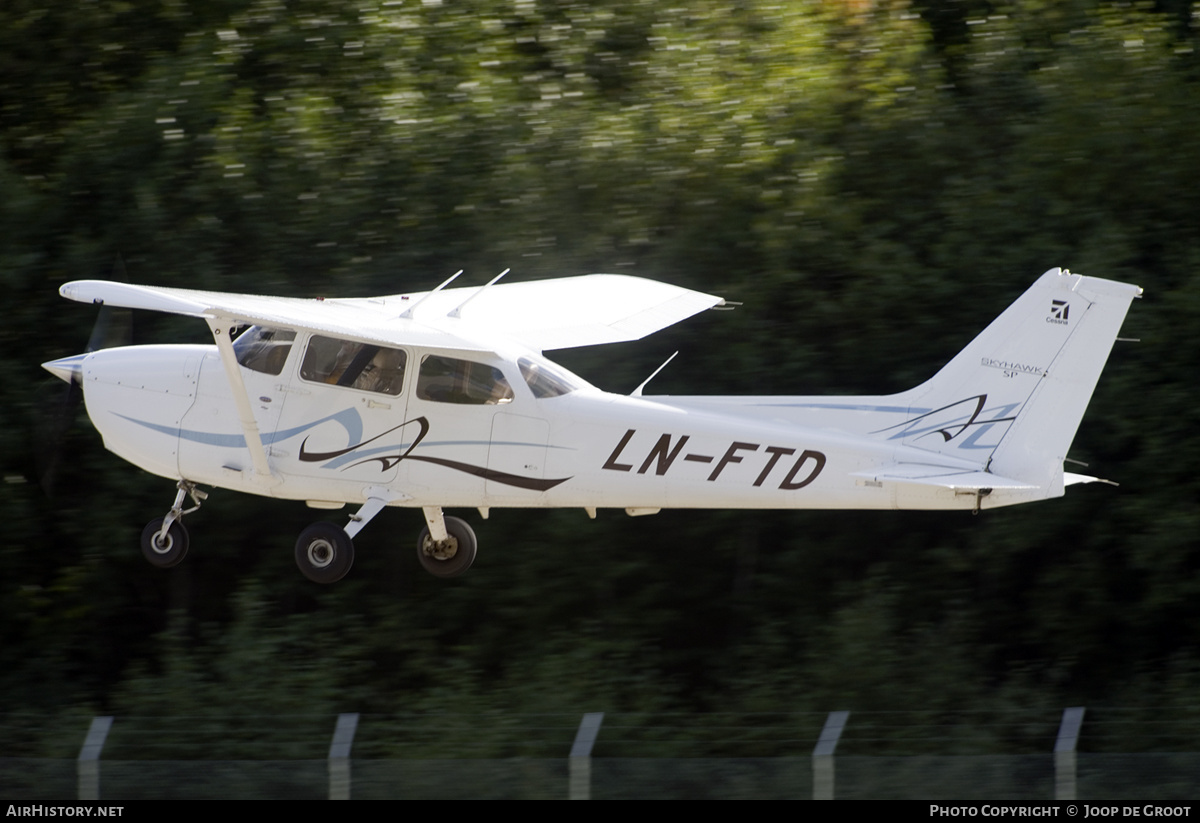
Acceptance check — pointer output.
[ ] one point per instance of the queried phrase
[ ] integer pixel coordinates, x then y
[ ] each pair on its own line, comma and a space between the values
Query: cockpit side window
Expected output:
449, 380
543, 380
263, 349
355, 365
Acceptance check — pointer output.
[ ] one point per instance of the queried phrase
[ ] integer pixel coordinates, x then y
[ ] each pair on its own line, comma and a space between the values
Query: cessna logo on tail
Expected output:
1059, 311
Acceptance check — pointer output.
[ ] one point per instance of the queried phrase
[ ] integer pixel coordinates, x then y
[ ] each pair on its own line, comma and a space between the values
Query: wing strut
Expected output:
221, 328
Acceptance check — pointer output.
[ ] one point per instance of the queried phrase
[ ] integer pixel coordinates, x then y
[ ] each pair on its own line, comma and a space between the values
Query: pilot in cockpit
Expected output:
384, 374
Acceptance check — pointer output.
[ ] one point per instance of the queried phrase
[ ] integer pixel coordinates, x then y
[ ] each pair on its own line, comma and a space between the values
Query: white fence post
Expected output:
339, 756
580, 769
823, 774
1064, 753
88, 764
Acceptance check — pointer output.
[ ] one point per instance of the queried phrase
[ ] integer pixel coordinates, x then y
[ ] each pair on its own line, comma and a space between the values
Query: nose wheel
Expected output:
165, 546
165, 540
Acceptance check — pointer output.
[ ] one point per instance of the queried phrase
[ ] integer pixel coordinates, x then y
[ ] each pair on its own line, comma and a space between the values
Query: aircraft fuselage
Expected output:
169, 410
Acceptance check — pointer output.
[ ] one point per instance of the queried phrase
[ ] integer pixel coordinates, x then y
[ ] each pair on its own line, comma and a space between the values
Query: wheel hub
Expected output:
320, 553
444, 550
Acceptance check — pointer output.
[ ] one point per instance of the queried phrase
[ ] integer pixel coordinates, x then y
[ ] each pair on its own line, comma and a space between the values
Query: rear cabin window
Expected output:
264, 350
449, 380
354, 365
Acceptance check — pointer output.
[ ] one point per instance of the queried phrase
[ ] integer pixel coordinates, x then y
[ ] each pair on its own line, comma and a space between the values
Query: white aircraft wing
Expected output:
544, 314
374, 321
565, 312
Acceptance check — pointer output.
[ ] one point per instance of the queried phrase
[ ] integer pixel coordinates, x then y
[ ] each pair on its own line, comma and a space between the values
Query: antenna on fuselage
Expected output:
638, 391
408, 313
457, 312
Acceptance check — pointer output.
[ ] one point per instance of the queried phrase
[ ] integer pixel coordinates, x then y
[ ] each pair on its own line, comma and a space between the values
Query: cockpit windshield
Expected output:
544, 380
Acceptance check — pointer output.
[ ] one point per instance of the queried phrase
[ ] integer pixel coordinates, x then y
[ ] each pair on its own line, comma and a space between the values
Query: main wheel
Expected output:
451, 557
324, 553
168, 550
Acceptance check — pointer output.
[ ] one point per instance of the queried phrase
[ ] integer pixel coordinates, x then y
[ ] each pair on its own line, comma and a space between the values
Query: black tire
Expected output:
324, 553
452, 560
168, 552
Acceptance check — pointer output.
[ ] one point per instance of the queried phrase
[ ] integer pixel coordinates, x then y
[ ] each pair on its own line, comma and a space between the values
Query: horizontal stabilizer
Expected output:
918, 474
1070, 479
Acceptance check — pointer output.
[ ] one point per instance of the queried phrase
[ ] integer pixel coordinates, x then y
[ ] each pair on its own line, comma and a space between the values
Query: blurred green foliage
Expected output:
874, 180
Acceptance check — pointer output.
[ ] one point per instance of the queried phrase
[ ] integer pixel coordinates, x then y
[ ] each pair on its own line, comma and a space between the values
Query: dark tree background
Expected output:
873, 180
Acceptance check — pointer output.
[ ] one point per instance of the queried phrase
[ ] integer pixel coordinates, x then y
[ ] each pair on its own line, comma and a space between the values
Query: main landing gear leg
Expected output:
165, 540
435, 523
446, 547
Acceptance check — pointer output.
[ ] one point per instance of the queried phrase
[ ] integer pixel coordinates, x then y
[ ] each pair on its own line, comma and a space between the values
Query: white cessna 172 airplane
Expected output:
443, 399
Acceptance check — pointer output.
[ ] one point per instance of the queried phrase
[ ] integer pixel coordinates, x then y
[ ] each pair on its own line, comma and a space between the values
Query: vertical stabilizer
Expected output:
1013, 398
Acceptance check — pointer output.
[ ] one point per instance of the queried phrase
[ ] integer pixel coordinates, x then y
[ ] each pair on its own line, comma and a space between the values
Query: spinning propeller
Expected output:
113, 327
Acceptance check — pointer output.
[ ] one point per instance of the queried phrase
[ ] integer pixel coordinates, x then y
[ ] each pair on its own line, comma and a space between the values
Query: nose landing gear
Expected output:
165, 540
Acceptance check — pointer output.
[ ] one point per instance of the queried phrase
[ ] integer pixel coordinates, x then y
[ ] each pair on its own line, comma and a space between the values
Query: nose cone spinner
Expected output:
69, 369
